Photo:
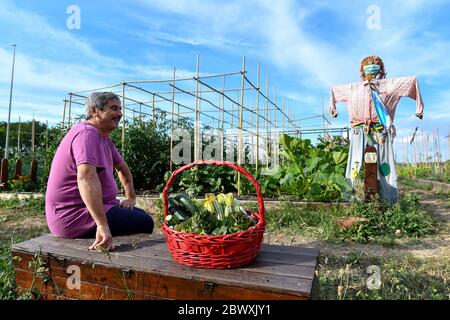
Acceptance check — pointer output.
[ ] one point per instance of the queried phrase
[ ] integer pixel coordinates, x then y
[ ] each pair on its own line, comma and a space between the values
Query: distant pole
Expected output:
10, 103
241, 114
282, 115
171, 120
46, 143
123, 117
140, 115
323, 119
153, 108
223, 117
18, 137
32, 136
267, 122
258, 85
64, 114
69, 120
197, 113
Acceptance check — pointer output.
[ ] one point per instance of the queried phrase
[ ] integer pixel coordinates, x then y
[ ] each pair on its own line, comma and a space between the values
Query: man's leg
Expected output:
124, 221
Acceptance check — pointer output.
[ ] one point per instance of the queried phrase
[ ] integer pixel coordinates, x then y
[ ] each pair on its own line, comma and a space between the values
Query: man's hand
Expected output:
128, 203
103, 239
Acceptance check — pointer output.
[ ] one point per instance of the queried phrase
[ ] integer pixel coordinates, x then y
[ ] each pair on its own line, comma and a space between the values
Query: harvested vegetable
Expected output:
214, 215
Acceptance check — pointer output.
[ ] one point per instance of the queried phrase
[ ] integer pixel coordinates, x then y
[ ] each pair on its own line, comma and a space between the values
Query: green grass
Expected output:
401, 278
18, 219
405, 219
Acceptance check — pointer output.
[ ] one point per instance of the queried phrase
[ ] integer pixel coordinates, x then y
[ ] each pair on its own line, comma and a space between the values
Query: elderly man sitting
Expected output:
81, 189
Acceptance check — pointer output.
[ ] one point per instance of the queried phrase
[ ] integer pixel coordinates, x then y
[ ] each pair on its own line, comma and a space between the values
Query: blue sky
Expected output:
304, 47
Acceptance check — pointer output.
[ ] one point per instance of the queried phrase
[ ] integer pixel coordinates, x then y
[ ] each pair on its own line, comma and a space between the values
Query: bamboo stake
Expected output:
153, 108
64, 114
197, 116
267, 122
70, 110
46, 144
171, 120
323, 118
32, 136
439, 150
257, 114
140, 115
407, 150
275, 111
18, 137
282, 115
123, 118
223, 118
241, 114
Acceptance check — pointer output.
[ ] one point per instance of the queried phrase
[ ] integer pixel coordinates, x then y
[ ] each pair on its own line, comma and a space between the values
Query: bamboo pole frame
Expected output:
253, 122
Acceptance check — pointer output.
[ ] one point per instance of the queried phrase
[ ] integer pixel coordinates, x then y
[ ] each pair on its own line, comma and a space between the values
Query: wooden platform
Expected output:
140, 267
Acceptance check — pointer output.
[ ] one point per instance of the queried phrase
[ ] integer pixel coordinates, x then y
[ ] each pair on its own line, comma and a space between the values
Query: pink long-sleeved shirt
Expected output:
358, 98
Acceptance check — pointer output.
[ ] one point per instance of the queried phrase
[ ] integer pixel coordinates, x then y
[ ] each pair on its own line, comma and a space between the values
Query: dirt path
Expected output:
434, 246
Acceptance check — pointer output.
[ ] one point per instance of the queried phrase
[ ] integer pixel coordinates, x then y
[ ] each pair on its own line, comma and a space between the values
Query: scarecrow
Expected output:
371, 106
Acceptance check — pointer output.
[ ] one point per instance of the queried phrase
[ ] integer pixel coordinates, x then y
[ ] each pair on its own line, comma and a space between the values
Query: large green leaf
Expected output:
340, 158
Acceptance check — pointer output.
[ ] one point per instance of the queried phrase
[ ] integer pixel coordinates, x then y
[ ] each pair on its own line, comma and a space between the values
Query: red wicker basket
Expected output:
224, 251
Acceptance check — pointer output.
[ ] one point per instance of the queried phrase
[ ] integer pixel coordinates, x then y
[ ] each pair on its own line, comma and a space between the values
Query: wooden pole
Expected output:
439, 150
223, 117
251, 136
18, 168
153, 108
46, 144
171, 120
241, 114
407, 150
123, 118
69, 123
197, 114
275, 111
267, 122
323, 118
64, 114
274, 146
18, 137
32, 137
282, 115
257, 114
140, 115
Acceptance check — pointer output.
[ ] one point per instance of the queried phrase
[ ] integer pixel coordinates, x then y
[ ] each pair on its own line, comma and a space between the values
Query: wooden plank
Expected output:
138, 283
286, 263
288, 272
274, 283
145, 239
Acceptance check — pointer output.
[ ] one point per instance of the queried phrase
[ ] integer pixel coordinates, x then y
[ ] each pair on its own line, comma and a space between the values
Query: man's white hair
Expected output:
98, 100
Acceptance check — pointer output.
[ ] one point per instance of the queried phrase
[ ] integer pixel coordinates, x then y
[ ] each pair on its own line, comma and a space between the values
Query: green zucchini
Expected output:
186, 203
177, 211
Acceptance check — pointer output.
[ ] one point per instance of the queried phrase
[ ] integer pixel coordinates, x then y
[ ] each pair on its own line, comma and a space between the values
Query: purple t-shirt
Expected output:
67, 215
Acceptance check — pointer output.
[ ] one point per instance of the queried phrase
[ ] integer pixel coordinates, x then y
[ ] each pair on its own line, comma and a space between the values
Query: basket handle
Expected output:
245, 173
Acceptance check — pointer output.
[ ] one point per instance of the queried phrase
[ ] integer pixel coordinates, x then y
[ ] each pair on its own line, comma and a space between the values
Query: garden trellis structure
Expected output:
229, 105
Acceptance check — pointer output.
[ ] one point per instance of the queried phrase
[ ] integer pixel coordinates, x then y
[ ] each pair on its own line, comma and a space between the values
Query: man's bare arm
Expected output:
126, 178
91, 194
